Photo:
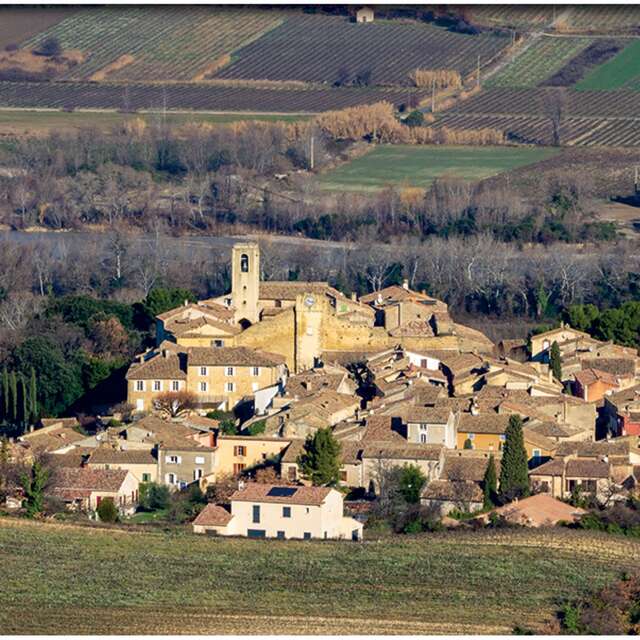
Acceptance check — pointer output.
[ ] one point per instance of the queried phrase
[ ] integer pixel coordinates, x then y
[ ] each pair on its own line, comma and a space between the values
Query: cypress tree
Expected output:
555, 363
13, 394
320, 460
514, 476
490, 484
5, 394
34, 484
24, 404
33, 397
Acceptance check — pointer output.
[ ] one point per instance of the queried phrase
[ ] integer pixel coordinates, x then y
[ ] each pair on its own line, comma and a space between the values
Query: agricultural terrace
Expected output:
621, 72
517, 16
329, 49
538, 62
149, 43
196, 97
65, 579
418, 166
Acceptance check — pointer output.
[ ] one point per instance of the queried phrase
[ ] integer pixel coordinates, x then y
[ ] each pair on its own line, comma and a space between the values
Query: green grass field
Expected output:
418, 166
67, 579
21, 121
622, 71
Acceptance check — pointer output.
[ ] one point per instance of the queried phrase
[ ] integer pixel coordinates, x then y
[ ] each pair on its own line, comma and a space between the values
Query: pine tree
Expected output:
5, 394
555, 362
320, 460
33, 397
514, 473
490, 484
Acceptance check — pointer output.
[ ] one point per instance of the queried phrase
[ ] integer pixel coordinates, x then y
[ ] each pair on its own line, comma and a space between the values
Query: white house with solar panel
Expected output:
284, 512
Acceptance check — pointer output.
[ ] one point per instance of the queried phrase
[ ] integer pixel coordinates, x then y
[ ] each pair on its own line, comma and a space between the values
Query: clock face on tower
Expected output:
309, 300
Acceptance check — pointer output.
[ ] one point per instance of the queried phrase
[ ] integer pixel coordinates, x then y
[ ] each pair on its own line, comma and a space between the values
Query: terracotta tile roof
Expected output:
257, 492
166, 365
108, 480
587, 469
553, 467
483, 423
463, 363
50, 439
538, 440
233, 356
293, 451
408, 451
587, 377
183, 326
431, 415
213, 515
285, 290
200, 422
413, 328
107, 455
74, 458
631, 394
624, 367
381, 429
350, 452
466, 468
168, 435
539, 510
456, 491
596, 449
209, 307
396, 293
308, 383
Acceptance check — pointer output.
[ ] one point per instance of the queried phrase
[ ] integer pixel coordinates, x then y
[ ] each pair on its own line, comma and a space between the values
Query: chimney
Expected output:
405, 284
241, 485
307, 385
473, 407
212, 439
166, 353
354, 297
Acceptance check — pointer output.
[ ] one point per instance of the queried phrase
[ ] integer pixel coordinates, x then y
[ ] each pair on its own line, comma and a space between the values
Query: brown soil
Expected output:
210, 69
116, 65
29, 62
19, 23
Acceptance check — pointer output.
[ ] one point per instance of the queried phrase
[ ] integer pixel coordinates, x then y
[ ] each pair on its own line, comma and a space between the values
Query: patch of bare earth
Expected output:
27, 61
112, 67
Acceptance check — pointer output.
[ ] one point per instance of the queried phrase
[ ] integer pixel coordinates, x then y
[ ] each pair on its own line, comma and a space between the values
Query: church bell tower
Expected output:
245, 282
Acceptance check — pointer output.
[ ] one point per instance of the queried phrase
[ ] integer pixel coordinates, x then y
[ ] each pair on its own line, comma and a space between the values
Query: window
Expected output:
218, 343
256, 533
326, 535
231, 386
343, 475
240, 451
256, 371
423, 427
203, 386
423, 363
175, 385
244, 263
471, 436
238, 468
197, 474
171, 478
545, 344
571, 485
588, 486
173, 459
229, 371
203, 371
537, 453
157, 385
280, 535
199, 459
307, 535
423, 438
256, 513
146, 477
139, 385
292, 474
286, 512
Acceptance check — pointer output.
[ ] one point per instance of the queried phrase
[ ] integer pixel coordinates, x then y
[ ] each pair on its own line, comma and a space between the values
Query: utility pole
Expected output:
433, 95
478, 71
311, 163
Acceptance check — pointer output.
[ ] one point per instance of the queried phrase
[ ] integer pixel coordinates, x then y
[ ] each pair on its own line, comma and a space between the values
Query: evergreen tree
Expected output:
4, 415
554, 361
34, 485
13, 396
33, 397
514, 476
24, 401
412, 480
490, 484
320, 460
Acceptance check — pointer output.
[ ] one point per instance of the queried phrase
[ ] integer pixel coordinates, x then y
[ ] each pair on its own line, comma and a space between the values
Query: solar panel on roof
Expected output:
281, 492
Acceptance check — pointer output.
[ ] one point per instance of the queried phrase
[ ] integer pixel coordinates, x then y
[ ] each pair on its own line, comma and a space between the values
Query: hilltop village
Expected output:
237, 387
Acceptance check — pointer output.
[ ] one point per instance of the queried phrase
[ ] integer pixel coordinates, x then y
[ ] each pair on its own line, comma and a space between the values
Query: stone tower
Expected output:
245, 282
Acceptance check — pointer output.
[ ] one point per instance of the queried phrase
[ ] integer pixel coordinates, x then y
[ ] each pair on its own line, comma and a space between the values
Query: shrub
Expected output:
440, 78
154, 496
256, 428
414, 119
50, 48
107, 511
415, 526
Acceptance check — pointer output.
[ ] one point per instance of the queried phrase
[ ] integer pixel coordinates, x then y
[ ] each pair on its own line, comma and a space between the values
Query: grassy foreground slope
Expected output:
418, 166
58, 579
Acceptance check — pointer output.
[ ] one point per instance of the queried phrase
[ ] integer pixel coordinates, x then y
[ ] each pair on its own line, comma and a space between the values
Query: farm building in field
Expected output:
272, 511
364, 14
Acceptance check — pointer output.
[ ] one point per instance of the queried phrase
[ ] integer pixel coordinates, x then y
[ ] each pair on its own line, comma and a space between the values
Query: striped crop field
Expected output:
621, 72
150, 43
538, 62
315, 48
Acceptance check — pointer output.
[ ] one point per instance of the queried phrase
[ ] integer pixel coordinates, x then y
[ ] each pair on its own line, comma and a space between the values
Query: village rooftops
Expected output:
281, 494
623, 367
162, 364
591, 376
52, 438
167, 435
107, 455
453, 491
381, 428
468, 468
208, 307
629, 395
286, 290
396, 293
85, 479
183, 326
539, 510
408, 451
598, 449
428, 415
483, 423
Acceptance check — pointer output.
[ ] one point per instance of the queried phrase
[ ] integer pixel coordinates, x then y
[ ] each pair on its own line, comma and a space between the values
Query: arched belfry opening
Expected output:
244, 263
244, 323
245, 281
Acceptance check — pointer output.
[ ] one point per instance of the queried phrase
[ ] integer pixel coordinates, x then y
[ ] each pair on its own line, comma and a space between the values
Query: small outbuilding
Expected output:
364, 14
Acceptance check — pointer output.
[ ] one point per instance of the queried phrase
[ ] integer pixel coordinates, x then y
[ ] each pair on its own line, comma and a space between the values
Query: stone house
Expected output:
141, 463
